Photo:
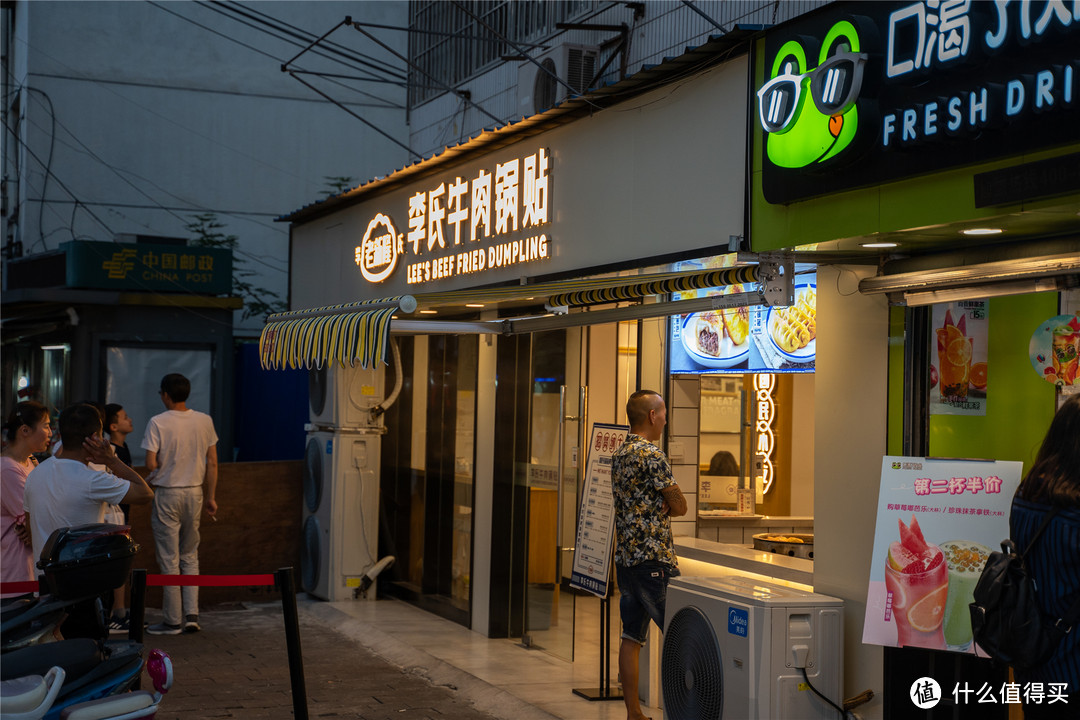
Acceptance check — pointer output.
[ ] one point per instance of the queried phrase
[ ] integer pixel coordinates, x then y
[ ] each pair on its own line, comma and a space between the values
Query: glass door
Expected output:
557, 404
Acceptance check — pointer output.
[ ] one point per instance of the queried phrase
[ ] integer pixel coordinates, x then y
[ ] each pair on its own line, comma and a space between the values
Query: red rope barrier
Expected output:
28, 586
209, 580
21, 586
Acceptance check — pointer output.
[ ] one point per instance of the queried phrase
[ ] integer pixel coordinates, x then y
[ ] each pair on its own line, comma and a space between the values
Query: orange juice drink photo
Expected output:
954, 359
1065, 353
917, 579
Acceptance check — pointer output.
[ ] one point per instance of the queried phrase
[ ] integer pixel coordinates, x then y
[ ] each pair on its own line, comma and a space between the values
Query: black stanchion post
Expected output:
286, 583
138, 605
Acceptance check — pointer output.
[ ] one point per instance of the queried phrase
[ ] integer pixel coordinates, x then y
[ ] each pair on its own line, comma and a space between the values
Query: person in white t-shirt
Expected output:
181, 453
66, 492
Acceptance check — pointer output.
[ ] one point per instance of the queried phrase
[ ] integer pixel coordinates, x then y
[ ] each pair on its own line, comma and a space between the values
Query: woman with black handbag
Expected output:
1053, 561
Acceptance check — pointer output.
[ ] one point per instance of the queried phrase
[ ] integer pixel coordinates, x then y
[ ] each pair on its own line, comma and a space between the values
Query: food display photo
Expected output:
937, 523
747, 339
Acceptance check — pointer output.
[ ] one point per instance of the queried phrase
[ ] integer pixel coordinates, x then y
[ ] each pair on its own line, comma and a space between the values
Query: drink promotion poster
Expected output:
937, 523
958, 368
1055, 351
746, 339
596, 513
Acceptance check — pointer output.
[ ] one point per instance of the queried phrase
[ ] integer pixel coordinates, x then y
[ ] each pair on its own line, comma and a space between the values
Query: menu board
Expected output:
937, 523
747, 339
596, 514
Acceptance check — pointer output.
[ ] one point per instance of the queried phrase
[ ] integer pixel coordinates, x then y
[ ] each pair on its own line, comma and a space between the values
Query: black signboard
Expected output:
863, 93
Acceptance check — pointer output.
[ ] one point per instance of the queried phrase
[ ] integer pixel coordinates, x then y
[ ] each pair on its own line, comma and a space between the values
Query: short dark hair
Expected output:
112, 410
176, 386
77, 423
29, 413
638, 407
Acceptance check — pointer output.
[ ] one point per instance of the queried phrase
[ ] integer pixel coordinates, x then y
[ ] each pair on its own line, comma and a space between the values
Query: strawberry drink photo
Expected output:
917, 580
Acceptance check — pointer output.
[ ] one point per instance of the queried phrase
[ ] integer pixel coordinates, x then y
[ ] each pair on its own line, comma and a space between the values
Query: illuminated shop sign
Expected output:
765, 439
464, 225
864, 93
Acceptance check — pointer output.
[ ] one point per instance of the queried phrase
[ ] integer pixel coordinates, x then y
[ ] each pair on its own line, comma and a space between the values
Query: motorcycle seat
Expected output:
129, 705
77, 657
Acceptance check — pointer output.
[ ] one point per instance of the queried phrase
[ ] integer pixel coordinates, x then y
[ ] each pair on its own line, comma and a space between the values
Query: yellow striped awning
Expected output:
359, 331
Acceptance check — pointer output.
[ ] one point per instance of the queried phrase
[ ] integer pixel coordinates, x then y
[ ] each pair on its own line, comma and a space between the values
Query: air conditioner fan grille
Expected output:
691, 669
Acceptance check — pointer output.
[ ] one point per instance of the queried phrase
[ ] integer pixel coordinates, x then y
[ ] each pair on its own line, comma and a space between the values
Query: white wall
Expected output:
850, 424
802, 445
153, 118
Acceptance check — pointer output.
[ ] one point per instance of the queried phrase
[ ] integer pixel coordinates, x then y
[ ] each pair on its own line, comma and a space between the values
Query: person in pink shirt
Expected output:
27, 432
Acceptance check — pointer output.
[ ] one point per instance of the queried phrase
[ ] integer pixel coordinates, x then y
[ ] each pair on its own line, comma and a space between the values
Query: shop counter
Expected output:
699, 557
719, 526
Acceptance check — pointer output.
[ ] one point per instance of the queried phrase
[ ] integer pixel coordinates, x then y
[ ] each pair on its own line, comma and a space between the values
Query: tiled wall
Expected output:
683, 447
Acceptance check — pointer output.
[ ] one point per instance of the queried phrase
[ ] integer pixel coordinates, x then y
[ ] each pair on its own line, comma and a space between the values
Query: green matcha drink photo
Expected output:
965, 561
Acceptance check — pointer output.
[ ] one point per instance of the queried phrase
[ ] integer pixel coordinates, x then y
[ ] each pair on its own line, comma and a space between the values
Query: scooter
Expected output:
40, 697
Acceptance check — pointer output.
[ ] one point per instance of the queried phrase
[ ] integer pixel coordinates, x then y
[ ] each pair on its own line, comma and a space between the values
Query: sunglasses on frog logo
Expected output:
834, 86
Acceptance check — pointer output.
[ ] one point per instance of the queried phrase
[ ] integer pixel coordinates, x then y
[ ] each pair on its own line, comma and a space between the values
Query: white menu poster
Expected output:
596, 514
937, 522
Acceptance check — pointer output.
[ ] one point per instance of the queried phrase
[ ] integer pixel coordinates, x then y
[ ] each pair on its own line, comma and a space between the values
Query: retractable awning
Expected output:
360, 331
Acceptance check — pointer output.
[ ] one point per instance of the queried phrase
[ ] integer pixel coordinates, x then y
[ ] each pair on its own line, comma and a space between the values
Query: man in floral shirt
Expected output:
646, 498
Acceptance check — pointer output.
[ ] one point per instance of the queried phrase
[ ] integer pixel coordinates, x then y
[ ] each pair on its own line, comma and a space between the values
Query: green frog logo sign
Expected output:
810, 114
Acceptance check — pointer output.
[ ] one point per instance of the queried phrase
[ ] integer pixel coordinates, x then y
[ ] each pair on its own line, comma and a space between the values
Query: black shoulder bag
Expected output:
1005, 617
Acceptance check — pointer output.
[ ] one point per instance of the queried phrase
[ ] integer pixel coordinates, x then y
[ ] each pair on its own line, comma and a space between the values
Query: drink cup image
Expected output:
1065, 353
954, 362
917, 579
965, 561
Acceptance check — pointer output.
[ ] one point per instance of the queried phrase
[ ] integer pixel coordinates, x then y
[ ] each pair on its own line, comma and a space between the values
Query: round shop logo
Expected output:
810, 114
378, 253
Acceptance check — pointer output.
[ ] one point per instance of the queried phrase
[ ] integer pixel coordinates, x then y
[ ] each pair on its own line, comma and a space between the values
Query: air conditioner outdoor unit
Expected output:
343, 397
340, 513
733, 647
538, 90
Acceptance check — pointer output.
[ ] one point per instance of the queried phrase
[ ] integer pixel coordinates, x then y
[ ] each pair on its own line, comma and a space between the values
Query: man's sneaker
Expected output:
119, 626
191, 624
162, 628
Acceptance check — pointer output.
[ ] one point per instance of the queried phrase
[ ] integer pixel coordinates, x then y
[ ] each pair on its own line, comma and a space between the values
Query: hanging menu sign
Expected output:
596, 513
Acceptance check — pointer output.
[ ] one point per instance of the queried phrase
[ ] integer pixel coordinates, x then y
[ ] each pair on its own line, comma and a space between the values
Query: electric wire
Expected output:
815, 691
382, 101
331, 46
184, 221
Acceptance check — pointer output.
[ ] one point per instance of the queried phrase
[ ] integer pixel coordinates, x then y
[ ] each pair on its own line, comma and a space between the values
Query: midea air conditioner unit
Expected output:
733, 647
343, 397
538, 90
340, 513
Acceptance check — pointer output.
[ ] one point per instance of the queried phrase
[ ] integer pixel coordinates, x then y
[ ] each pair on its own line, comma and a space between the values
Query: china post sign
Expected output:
148, 267
492, 218
864, 93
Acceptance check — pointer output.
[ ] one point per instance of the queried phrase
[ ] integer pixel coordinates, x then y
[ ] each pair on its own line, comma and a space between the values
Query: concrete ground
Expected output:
237, 667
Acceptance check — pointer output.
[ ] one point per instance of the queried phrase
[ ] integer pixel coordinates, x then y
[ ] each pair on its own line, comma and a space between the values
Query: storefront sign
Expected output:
596, 516
1055, 351
766, 440
937, 522
148, 267
461, 226
864, 93
959, 368
741, 340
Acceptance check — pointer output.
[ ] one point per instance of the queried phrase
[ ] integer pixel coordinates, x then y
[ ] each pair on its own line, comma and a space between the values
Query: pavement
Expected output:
237, 667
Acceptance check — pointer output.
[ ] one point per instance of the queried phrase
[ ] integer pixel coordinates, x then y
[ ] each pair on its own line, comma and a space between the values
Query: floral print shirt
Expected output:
639, 471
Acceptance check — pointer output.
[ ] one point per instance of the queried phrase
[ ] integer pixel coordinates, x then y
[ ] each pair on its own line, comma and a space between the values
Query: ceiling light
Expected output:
982, 231
879, 245
474, 305
428, 312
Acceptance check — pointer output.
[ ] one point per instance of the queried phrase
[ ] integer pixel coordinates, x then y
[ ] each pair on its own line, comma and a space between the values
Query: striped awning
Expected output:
360, 331
345, 333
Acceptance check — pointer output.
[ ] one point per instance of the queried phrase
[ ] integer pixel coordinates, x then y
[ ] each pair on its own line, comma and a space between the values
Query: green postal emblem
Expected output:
810, 115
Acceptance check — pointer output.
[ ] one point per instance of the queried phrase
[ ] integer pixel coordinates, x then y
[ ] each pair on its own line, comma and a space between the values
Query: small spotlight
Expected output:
982, 231
879, 245
428, 312
474, 305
